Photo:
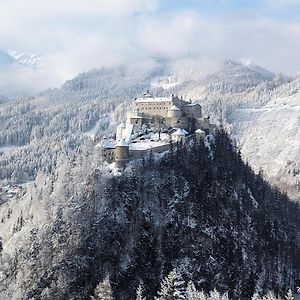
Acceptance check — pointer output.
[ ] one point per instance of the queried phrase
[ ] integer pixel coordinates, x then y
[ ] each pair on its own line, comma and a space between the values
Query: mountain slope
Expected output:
207, 215
270, 137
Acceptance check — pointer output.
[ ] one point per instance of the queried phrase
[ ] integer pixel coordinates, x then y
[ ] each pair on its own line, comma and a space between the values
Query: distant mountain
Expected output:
26, 59
19, 75
6, 60
16, 59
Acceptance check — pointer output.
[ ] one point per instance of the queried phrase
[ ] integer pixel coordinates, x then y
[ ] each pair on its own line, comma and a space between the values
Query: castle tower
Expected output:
174, 112
200, 135
122, 154
179, 135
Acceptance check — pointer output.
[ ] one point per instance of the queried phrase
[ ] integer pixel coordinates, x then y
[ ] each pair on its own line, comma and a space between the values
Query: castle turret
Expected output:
200, 135
122, 154
174, 112
179, 135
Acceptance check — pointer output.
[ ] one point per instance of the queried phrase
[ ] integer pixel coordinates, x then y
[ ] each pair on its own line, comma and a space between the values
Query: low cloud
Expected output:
75, 36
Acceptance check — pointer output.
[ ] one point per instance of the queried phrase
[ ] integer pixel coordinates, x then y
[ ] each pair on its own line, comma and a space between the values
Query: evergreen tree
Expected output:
193, 294
139, 293
289, 295
172, 287
215, 295
270, 296
103, 290
256, 297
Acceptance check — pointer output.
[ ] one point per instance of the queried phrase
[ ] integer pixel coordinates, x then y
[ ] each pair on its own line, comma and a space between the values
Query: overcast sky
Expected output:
76, 35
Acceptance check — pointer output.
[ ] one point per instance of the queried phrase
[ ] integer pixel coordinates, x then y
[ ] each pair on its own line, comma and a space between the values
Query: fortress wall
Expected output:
193, 111
142, 153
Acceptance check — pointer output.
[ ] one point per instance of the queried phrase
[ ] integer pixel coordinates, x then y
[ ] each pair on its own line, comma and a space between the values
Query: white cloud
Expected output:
75, 36
281, 4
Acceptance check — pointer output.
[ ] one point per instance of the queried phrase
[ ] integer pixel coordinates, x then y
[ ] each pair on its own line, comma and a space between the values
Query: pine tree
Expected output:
256, 297
270, 296
139, 293
289, 295
172, 287
215, 295
103, 290
193, 294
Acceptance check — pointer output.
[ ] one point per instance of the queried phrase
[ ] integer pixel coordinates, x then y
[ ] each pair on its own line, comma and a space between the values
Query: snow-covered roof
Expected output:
122, 125
147, 145
138, 117
152, 99
192, 104
174, 107
148, 95
106, 144
122, 143
180, 132
199, 131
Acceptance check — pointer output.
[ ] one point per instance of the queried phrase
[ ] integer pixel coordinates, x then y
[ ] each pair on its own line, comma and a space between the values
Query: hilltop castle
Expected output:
153, 123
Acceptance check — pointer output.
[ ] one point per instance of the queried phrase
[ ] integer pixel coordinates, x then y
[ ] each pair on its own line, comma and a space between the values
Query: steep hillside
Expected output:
205, 213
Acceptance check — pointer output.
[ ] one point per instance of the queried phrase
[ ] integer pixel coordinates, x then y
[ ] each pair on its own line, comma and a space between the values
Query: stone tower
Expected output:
122, 154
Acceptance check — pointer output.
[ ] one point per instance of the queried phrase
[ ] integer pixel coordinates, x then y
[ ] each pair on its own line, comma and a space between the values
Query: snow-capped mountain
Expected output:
26, 59
21, 75
6, 60
17, 59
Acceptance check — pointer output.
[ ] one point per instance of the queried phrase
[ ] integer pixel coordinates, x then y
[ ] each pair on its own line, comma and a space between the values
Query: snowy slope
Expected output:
270, 138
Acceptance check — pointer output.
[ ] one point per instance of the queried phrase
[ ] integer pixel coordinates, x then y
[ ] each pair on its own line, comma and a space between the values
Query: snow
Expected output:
269, 136
192, 104
199, 131
122, 143
180, 132
11, 148
174, 107
106, 144
122, 125
149, 141
129, 128
92, 132
154, 99
147, 145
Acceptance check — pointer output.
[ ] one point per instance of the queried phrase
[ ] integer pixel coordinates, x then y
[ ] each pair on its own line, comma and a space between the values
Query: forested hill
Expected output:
203, 212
